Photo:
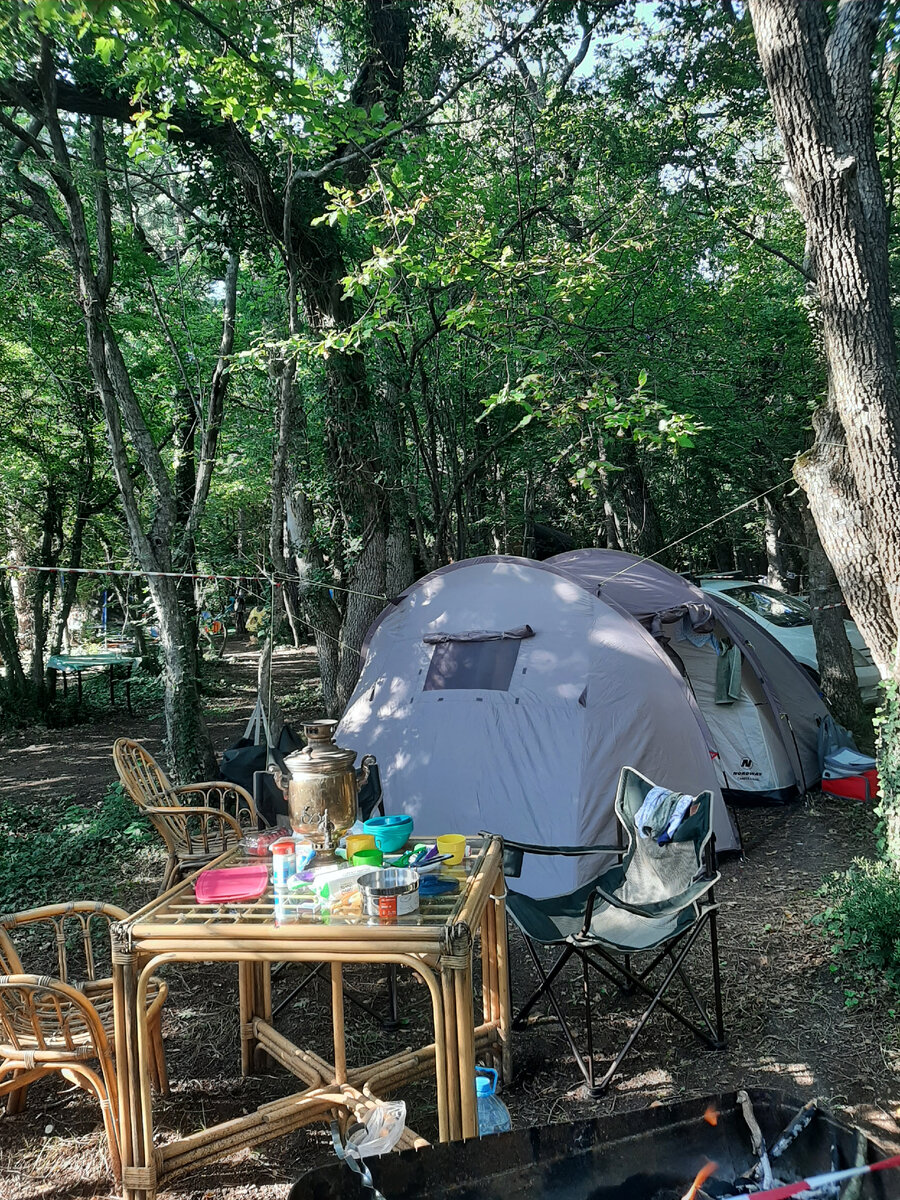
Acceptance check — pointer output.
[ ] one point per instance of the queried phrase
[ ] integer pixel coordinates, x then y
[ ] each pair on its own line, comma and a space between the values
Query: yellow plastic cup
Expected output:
453, 844
357, 842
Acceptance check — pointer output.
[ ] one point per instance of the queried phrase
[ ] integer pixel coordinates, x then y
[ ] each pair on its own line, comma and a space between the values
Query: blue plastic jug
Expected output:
493, 1115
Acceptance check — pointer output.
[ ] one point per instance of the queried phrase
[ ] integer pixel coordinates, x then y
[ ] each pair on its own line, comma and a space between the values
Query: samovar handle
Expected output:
279, 776
362, 773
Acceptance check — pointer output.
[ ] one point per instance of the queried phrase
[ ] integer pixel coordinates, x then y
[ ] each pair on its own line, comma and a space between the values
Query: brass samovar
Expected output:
321, 787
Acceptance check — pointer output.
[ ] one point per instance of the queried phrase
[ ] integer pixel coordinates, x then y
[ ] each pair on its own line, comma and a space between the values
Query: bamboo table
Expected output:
436, 942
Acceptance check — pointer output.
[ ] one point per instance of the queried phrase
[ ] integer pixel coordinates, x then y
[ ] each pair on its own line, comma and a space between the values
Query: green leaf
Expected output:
105, 47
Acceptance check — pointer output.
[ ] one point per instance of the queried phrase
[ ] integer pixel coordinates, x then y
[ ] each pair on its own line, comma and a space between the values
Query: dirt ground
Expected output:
787, 1023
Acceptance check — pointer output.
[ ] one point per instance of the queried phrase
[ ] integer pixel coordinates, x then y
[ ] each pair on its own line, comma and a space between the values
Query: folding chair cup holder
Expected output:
652, 906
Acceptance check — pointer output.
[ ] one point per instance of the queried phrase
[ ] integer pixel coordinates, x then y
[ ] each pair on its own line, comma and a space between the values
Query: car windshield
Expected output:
772, 605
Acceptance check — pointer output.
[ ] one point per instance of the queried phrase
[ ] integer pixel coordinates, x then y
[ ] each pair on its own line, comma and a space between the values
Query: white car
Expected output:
788, 619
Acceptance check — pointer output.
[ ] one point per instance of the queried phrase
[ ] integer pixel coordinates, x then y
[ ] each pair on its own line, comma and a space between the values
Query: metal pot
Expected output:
320, 786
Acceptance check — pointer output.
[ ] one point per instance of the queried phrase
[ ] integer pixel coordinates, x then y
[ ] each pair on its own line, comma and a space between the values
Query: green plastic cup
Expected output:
368, 858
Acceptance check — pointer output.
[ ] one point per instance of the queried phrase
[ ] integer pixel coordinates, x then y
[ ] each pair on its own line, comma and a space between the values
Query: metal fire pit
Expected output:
651, 1154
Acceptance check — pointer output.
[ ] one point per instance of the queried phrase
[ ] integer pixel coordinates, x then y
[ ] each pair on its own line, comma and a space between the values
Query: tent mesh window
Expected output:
487, 665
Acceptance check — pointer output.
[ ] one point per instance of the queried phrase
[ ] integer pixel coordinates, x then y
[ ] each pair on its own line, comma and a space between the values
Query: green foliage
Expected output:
862, 916
62, 711
91, 846
862, 919
887, 731
303, 702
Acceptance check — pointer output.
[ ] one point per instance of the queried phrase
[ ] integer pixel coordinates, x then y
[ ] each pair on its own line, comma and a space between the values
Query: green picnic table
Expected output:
77, 663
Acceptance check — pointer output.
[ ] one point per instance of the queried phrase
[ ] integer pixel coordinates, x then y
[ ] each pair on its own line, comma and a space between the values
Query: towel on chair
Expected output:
661, 814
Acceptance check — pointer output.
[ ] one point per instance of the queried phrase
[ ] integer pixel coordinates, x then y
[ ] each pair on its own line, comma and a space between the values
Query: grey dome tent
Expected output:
501, 693
766, 735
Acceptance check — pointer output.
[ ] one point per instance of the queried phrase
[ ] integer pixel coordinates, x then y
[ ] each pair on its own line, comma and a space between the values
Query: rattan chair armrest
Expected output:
49, 912
183, 811
243, 800
55, 915
63, 992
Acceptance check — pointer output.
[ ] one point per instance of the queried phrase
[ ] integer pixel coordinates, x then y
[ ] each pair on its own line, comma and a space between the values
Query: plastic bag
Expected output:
380, 1132
260, 844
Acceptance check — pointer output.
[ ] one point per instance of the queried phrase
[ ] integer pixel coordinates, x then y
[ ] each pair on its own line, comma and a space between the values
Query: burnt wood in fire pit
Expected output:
651, 1154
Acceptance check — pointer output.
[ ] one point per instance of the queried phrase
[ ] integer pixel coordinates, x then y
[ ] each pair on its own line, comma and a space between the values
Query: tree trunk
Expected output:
285, 420
321, 611
188, 738
643, 529
774, 559
89, 247
821, 90
399, 568
16, 683
265, 683
837, 673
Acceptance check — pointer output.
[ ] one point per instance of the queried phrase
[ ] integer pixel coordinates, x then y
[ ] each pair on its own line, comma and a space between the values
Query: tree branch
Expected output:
103, 206
768, 247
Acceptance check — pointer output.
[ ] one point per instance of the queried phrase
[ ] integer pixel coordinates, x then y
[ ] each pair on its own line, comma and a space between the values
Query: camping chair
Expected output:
197, 821
654, 903
63, 1022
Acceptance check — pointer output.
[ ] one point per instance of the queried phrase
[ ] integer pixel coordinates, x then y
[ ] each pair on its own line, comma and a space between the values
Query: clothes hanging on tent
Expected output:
728, 676
764, 742
698, 636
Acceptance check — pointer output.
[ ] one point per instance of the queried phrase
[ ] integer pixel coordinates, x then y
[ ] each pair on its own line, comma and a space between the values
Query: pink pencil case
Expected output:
231, 883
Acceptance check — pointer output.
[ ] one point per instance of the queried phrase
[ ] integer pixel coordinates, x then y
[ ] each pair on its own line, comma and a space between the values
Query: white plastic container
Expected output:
283, 859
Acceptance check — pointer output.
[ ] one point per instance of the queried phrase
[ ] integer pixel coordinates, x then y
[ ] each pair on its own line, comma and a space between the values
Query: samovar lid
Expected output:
320, 749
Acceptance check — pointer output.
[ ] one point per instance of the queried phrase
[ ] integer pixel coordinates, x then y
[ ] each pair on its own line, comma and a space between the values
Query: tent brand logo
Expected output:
747, 770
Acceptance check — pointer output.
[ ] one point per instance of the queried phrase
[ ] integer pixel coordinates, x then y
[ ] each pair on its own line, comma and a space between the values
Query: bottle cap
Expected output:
484, 1086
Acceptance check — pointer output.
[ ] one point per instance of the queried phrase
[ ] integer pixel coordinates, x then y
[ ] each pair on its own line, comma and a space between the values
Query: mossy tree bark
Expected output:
819, 76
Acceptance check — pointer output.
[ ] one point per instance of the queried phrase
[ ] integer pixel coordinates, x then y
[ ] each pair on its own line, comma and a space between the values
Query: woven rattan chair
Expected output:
197, 821
64, 1023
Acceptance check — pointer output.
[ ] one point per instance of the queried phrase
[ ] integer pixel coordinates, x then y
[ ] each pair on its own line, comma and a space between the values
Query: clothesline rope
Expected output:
279, 578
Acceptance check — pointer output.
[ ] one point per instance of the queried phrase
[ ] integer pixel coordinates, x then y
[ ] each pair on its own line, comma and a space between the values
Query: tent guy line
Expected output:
702, 528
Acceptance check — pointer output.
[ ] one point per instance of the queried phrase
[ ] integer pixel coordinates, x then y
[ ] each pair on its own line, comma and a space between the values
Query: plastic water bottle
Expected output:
493, 1115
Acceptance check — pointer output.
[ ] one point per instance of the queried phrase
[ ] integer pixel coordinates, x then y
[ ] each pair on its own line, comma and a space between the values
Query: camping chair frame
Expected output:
614, 963
194, 833
62, 1025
